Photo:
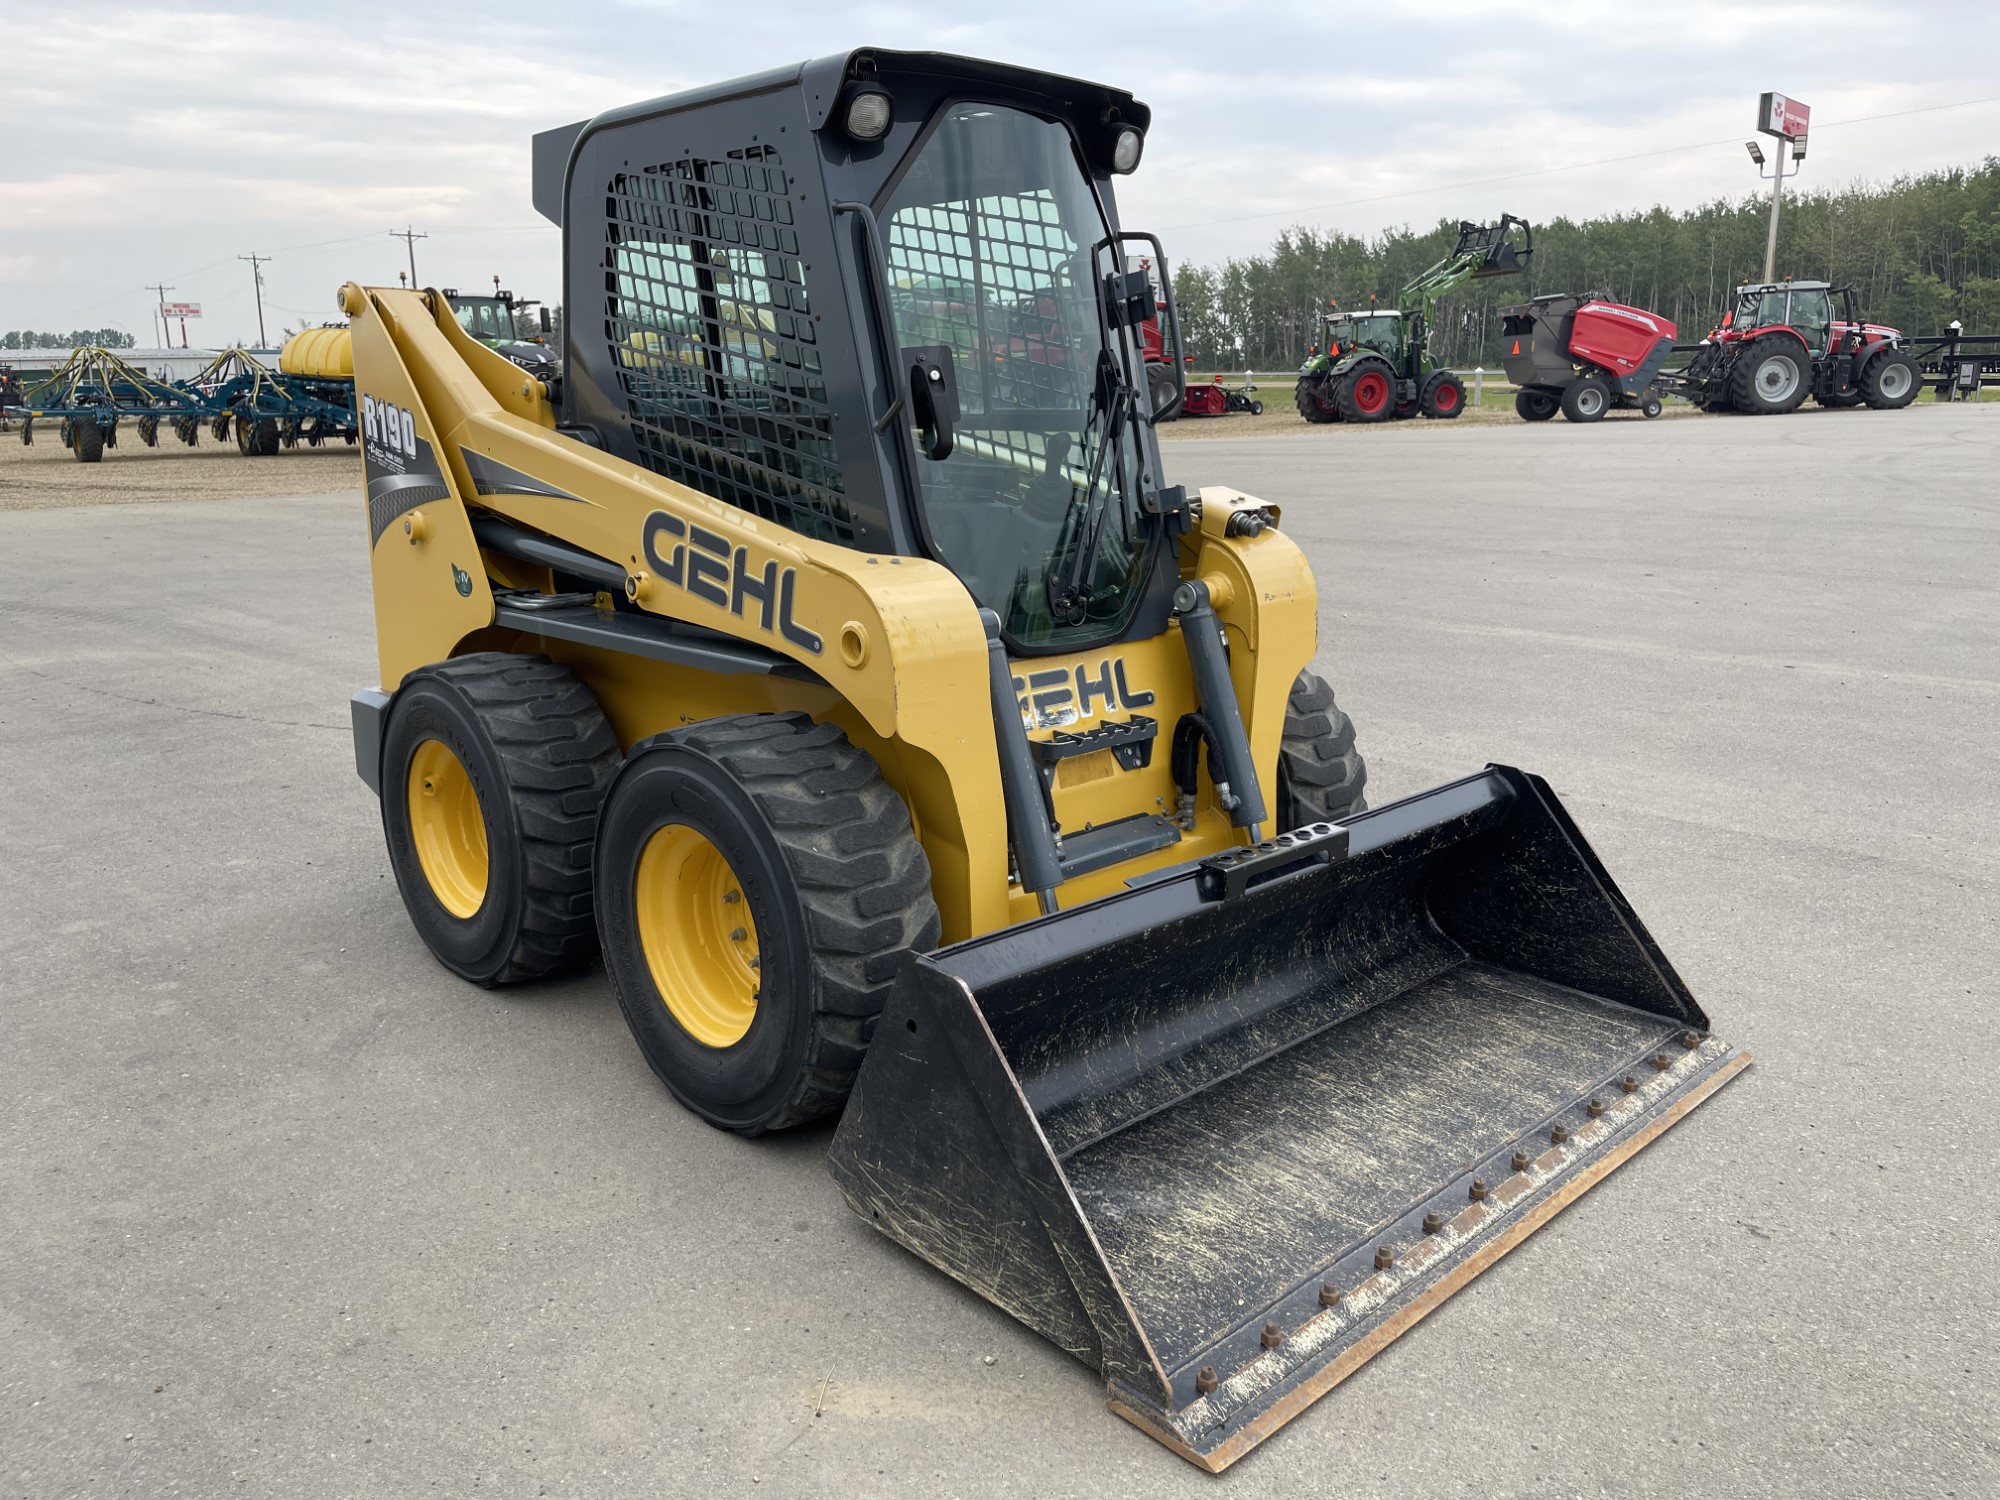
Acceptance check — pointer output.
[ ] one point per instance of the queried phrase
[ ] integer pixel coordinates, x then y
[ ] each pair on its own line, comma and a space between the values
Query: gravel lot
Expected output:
45, 475
292, 1212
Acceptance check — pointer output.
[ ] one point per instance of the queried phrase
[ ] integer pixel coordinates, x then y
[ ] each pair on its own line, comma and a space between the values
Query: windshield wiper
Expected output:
1070, 596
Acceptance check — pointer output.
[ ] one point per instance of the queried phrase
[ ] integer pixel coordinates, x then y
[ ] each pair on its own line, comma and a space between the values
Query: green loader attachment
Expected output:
1228, 1134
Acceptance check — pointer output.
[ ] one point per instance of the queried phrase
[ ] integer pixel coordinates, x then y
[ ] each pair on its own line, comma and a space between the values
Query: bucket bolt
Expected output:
1662, 1061
1520, 1161
1629, 1084
1690, 1040
1384, 1258
1204, 1379
1559, 1134
1477, 1192
1329, 1294
1594, 1108
1433, 1222
1273, 1336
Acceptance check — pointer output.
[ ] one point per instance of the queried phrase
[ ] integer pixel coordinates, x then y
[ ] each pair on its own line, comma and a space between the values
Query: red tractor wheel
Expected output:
1366, 394
1443, 396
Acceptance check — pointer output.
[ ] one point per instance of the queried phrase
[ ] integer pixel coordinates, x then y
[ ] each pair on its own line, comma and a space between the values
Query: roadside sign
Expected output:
181, 309
1780, 116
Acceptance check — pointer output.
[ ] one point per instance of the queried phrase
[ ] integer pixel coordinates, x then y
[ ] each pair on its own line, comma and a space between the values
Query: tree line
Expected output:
1918, 251
109, 338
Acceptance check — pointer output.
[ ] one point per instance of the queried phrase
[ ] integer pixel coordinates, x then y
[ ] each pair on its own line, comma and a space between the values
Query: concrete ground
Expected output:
289, 1211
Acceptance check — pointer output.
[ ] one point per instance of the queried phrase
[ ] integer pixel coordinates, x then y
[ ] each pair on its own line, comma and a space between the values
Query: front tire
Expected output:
1443, 395
758, 886
493, 767
1307, 398
1891, 381
1321, 776
1769, 378
87, 441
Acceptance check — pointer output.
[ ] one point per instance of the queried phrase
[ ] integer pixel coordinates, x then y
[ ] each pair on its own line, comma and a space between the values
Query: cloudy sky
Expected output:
159, 142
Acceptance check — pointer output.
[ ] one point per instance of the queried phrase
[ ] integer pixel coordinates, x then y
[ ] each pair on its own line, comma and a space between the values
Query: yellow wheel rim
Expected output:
697, 934
447, 829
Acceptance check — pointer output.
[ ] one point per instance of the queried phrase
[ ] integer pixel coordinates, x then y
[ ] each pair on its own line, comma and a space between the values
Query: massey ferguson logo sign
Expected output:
1777, 115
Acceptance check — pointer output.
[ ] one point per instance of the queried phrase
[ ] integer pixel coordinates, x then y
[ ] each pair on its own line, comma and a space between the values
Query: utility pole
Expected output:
257, 263
166, 338
409, 237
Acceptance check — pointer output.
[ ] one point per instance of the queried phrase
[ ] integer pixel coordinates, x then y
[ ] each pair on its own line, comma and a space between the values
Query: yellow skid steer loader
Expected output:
826, 647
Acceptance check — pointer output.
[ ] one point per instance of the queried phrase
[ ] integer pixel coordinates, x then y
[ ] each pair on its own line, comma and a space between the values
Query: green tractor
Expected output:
1376, 365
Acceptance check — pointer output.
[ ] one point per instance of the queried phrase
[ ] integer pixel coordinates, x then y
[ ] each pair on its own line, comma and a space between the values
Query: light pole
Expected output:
1777, 174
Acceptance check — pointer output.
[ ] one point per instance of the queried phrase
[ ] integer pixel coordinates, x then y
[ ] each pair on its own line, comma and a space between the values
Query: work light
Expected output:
869, 112
1126, 148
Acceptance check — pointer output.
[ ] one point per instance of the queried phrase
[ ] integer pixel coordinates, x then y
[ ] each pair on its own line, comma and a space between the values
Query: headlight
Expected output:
869, 112
1126, 148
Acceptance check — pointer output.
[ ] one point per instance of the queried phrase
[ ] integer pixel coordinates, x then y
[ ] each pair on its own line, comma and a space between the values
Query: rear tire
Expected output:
797, 824
1891, 381
1367, 394
1586, 400
1321, 776
1770, 378
1443, 395
528, 744
87, 441
256, 437
1535, 406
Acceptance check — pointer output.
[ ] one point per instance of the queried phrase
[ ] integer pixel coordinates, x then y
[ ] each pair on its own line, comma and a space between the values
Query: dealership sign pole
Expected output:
1788, 120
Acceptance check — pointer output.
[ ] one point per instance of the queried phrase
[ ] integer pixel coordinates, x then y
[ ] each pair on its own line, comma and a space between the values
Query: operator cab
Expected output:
1806, 306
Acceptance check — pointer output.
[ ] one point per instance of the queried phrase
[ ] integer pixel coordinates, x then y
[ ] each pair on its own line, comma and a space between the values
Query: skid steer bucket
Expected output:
1226, 1135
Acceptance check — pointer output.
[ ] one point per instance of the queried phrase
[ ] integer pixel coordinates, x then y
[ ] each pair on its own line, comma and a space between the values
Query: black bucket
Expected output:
1226, 1135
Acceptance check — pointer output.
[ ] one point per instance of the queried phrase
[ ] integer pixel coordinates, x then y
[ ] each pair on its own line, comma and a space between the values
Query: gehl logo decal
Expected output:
1049, 698
691, 557
390, 427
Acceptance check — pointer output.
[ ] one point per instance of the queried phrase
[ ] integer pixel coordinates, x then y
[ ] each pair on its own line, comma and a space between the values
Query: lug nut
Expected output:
1520, 1161
1384, 1258
1559, 1135
1629, 1084
730, 898
1433, 1222
1273, 1336
1329, 1294
1477, 1192
737, 934
1204, 1379
1594, 1108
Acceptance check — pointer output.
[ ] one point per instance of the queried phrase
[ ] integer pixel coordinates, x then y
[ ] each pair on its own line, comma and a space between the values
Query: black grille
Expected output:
711, 334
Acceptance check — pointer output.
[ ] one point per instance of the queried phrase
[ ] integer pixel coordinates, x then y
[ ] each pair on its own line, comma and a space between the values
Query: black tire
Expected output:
87, 441
1256, 408
1586, 400
1160, 390
1891, 381
1306, 397
1321, 775
1535, 406
1442, 396
256, 437
835, 883
1360, 387
1650, 406
1770, 378
539, 754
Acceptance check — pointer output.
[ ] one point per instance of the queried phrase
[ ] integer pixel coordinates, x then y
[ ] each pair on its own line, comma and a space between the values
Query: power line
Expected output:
1575, 166
409, 237
257, 264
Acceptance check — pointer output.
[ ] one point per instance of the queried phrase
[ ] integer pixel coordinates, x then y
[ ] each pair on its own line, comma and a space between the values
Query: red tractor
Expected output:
1781, 343
1583, 356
